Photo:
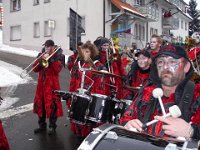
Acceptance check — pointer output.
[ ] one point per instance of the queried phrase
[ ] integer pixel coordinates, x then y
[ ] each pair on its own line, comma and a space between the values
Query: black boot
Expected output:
52, 131
39, 130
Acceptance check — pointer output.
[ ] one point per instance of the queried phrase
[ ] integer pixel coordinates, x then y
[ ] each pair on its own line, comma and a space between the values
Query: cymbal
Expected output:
106, 73
132, 88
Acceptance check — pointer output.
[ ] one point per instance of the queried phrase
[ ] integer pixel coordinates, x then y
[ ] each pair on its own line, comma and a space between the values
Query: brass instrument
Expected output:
114, 54
43, 62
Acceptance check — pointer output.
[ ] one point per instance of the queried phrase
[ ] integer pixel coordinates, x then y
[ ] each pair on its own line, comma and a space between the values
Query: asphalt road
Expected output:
19, 128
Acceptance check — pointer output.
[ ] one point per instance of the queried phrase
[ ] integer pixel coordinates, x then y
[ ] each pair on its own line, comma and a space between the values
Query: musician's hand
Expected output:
45, 56
175, 127
135, 123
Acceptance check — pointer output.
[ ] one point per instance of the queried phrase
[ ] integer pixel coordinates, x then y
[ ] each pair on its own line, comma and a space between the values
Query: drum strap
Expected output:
186, 101
149, 110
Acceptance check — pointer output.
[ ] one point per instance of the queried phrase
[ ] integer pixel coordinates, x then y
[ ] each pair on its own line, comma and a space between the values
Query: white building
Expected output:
28, 23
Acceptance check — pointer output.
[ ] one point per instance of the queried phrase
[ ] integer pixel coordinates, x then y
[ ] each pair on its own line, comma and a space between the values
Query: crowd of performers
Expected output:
104, 90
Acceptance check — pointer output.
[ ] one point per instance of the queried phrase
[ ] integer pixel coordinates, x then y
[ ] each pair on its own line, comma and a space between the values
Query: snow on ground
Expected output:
10, 74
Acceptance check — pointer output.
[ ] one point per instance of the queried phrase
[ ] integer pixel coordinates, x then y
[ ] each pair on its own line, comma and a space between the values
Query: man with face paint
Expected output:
155, 44
139, 72
171, 71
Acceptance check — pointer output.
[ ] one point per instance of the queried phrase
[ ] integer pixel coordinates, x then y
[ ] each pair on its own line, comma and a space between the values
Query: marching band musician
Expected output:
46, 104
3, 140
112, 61
139, 73
87, 59
170, 71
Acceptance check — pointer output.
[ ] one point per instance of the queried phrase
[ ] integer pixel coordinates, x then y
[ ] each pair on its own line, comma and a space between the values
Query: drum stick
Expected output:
174, 111
158, 93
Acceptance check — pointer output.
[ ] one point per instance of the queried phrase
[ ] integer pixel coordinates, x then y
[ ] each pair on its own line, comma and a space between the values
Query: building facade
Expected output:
28, 23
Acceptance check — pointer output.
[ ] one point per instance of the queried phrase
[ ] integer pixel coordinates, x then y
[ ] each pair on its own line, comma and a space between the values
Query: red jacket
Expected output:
116, 67
3, 140
138, 108
48, 81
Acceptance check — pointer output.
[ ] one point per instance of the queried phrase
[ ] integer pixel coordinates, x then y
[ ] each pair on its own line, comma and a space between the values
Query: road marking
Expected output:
17, 110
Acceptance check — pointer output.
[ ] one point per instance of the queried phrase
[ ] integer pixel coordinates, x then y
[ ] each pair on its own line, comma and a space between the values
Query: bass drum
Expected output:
115, 137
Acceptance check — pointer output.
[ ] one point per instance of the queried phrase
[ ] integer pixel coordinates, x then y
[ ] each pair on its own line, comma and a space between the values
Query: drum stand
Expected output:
82, 90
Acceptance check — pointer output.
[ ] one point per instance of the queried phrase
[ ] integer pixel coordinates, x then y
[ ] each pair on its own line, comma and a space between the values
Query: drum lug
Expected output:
111, 135
113, 118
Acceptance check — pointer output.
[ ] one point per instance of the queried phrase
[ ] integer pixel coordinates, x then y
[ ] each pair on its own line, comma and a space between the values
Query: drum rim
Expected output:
99, 95
81, 95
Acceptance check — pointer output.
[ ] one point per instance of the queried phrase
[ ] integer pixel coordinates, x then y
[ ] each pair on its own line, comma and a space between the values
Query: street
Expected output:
19, 128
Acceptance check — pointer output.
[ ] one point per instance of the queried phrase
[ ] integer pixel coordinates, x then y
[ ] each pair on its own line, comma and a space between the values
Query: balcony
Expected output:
170, 23
149, 11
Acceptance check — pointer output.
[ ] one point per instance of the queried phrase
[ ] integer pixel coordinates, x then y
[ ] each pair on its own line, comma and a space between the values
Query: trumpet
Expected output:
43, 62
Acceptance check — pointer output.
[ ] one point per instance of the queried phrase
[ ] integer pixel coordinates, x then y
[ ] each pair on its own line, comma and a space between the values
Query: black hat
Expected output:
104, 40
174, 51
144, 52
49, 43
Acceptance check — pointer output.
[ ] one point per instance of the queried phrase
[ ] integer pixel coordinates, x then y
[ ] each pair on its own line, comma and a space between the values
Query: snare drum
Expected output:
79, 108
101, 108
114, 137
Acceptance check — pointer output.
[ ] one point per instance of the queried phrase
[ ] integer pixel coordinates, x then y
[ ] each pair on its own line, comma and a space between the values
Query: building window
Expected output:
140, 34
136, 31
83, 24
181, 24
36, 29
186, 28
15, 33
47, 1
36, 2
143, 32
75, 29
153, 31
15, 5
47, 30
138, 2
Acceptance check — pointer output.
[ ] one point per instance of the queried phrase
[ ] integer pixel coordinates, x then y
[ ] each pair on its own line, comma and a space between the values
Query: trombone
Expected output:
43, 62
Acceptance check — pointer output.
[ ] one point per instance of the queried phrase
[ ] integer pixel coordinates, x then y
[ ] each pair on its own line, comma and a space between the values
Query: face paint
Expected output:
170, 70
143, 62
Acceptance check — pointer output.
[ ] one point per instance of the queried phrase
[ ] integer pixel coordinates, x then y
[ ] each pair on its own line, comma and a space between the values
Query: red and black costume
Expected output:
46, 104
135, 78
145, 106
116, 67
3, 140
75, 84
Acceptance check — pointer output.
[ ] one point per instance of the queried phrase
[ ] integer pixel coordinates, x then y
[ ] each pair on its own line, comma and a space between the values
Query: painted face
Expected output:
170, 70
143, 61
154, 44
105, 46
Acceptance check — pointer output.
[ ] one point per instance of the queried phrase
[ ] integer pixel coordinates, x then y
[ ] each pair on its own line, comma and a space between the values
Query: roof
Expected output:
127, 7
